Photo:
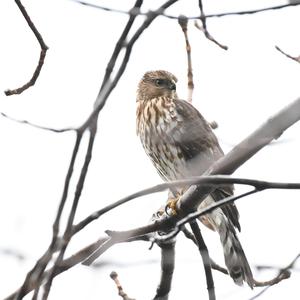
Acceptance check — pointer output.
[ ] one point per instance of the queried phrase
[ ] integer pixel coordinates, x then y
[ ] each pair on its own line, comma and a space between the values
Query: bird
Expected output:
181, 144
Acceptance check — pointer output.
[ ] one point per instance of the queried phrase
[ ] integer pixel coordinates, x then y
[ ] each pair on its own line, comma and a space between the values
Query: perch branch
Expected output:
213, 180
44, 49
271, 129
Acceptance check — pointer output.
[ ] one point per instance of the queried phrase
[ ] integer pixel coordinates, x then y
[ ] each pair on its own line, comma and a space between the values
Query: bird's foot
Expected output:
171, 206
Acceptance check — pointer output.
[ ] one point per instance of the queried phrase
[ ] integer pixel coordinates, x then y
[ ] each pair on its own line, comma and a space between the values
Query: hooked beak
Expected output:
172, 86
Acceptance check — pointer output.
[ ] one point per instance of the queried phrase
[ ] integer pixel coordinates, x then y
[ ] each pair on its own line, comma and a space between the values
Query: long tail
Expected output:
235, 258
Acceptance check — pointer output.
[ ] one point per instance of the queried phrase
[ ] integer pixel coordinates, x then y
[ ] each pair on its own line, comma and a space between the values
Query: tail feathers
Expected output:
235, 258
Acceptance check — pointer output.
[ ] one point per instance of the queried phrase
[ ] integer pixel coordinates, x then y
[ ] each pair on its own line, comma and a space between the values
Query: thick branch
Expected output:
271, 129
167, 269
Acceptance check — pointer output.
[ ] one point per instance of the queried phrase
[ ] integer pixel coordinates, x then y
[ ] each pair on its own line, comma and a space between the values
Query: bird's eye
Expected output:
159, 82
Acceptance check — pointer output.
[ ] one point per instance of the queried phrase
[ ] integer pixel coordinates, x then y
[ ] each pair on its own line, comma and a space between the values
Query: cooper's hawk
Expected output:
181, 144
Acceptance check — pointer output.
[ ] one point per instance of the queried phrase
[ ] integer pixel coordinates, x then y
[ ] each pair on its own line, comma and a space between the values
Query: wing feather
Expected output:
200, 149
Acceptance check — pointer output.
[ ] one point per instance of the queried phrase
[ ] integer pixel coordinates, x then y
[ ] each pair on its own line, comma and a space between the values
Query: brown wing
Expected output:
200, 149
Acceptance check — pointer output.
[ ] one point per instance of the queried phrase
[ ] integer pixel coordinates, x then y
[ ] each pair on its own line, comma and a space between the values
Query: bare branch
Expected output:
34, 276
283, 274
114, 277
295, 58
217, 15
205, 259
193, 216
203, 28
183, 22
68, 230
209, 181
70, 262
167, 269
271, 129
44, 49
35, 125
213, 264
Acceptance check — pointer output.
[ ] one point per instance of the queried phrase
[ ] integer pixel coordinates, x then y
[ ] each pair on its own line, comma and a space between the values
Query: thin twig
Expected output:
44, 49
36, 125
216, 15
183, 22
204, 29
209, 36
205, 259
295, 58
283, 274
114, 276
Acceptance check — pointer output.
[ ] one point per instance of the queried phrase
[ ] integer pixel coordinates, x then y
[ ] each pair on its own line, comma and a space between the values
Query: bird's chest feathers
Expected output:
156, 118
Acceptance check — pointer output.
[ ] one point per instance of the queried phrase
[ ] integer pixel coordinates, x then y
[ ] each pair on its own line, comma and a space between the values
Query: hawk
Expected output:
181, 144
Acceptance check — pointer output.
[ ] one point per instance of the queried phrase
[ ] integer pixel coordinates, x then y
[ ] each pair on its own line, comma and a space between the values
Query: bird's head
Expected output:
156, 84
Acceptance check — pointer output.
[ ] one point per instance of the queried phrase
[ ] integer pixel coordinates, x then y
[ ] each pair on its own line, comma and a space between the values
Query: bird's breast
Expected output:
156, 120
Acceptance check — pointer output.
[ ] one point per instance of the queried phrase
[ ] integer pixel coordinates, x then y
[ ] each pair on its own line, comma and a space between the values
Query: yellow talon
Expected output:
172, 206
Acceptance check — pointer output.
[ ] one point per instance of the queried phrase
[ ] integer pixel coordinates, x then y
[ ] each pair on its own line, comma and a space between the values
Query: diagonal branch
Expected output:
44, 49
295, 58
271, 129
204, 29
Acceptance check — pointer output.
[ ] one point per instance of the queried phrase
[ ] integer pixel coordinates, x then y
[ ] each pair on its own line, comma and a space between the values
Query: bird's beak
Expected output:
172, 86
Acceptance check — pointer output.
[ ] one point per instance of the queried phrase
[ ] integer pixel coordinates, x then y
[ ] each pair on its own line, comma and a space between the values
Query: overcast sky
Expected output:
239, 89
